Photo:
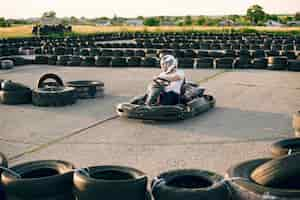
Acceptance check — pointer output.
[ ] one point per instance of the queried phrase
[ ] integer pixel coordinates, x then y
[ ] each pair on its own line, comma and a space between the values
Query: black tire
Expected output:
205, 63
294, 65
88, 61
74, 61
54, 96
110, 183
277, 63
6, 64
3, 162
103, 61
284, 147
149, 62
119, 62
42, 81
42, 60
62, 60
52, 60
282, 172
187, 63
244, 188
49, 179
224, 63
242, 63
134, 61
16, 97
87, 89
8, 85
260, 63
190, 184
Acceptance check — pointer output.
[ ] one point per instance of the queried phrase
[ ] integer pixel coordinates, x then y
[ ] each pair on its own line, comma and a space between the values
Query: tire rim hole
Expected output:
112, 175
40, 173
190, 182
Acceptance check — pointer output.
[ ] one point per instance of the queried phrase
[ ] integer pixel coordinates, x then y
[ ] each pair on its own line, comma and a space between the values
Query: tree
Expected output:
273, 17
201, 21
297, 16
3, 22
256, 14
152, 21
188, 20
49, 14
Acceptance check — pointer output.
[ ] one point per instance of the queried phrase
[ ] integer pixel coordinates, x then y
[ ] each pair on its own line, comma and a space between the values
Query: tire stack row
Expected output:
50, 92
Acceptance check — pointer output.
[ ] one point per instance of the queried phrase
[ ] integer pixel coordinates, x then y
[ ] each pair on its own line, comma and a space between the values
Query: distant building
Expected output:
273, 23
226, 22
293, 23
103, 23
134, 22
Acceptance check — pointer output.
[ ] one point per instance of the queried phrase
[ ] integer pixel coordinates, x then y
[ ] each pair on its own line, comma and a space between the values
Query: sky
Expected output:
134, 8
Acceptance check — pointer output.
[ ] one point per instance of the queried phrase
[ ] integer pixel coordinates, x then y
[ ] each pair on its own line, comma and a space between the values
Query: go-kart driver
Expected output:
167, 85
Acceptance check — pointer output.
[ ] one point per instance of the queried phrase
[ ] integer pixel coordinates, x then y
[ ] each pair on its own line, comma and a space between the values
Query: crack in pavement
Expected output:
92, 125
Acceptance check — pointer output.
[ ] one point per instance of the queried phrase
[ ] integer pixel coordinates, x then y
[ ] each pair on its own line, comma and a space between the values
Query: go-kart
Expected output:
193, 101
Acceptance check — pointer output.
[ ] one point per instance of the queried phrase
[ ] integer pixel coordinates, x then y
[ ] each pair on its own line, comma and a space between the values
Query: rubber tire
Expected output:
6, 64
55, 187
282, 147
87, 89
166, 189
54, 77
8, 85
279, 172
294, 65
86, 187
3, 162
16, 97
244, 188
61, 97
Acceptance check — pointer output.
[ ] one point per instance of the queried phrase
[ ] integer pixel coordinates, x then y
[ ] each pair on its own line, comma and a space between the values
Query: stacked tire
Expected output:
53, 93
12, 93
3, 164
190, 184
110, 183
48, 179
87, 89
277, 63
266, 179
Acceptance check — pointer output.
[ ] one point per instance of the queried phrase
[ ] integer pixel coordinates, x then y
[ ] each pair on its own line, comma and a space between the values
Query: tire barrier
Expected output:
281, 172
48, 179
277, 63
285, 147
190, 184
53, 93
110, 183
205, 63
183, 45
245, 188
224, 63
87, 89
12, 93
6, 64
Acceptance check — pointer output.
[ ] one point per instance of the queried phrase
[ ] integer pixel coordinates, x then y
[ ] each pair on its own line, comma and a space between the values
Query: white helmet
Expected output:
170, 61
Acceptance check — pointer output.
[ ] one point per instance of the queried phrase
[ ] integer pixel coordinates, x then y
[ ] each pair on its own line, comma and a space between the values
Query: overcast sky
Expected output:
133, 8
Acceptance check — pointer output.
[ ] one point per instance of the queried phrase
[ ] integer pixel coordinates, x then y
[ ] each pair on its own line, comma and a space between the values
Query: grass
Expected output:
25, 31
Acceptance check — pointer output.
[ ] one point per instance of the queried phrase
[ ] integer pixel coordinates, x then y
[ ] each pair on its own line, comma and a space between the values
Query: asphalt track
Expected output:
254, 109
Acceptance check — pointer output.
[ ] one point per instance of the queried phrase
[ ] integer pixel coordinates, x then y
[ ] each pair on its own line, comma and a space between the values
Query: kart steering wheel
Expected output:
161, 81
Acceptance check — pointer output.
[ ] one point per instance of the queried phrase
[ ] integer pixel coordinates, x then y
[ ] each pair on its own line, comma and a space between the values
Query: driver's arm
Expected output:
171, 77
